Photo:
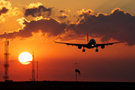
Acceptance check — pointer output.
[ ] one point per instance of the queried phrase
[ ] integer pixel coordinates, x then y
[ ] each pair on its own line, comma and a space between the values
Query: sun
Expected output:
25, 58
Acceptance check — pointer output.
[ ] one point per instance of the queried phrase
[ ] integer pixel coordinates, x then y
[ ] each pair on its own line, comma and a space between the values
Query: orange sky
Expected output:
36, 31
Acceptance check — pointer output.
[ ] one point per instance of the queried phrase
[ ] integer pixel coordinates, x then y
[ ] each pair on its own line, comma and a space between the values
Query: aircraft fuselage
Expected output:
91, 43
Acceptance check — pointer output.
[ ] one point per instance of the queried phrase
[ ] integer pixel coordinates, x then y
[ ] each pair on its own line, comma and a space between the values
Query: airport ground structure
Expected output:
66, 85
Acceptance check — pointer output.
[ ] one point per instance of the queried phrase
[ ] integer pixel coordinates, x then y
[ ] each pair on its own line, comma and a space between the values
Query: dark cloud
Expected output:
3, 10
117, 25
62, 11
40, 11
63, 17
51, 26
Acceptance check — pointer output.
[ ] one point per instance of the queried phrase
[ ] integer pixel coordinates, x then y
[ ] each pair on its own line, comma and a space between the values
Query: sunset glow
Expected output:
34, 25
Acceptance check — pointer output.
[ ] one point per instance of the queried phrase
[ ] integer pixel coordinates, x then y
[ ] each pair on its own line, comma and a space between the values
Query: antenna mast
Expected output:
37, 70
76, 72
33, 69
6, 65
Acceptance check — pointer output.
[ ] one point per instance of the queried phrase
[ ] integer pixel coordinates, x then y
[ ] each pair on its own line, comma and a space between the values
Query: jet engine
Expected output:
79, 47
102, 46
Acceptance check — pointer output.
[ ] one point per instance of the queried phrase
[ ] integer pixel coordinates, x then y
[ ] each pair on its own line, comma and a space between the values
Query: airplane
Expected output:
90, 44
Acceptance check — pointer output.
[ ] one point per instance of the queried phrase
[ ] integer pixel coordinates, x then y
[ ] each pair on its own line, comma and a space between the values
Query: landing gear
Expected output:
96, 49
83, 50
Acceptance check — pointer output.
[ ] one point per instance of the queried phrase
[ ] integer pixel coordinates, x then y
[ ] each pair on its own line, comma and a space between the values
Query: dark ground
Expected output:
61, 85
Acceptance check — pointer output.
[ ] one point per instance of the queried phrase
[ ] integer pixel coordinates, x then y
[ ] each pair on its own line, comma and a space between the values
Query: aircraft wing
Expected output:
73, 44
109, 43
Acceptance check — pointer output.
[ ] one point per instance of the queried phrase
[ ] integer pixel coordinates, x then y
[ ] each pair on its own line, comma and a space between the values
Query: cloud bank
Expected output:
117, 25
50, 26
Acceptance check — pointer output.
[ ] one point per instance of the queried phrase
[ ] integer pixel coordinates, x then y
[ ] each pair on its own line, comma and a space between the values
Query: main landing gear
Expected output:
96, 49
83, 50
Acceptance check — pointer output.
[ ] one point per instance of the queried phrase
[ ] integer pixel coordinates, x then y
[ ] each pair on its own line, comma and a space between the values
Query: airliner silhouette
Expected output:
90, 44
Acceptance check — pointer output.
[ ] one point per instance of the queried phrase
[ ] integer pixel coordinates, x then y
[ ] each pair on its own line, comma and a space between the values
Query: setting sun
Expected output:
25, 58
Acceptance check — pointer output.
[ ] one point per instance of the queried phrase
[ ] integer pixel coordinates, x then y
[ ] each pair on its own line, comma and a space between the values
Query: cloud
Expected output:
3, 10
63, 17
117, 25
50, 26
38, 11
86, 13
4, 3
61, 11
6, 10
70, 35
